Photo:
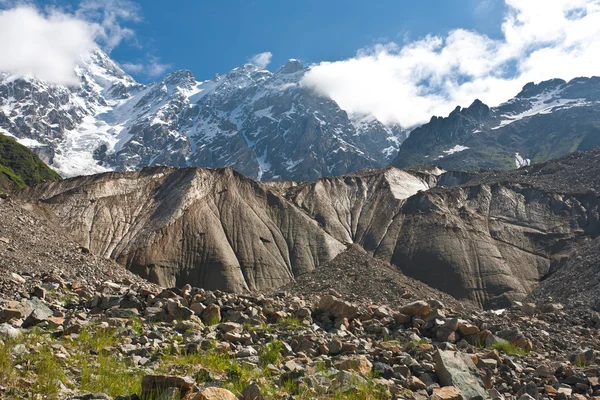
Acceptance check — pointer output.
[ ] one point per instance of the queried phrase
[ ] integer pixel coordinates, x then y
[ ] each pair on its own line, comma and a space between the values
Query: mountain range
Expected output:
268, 126
265, 125
544, 121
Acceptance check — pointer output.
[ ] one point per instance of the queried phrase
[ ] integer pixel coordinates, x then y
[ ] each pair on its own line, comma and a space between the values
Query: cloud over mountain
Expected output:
406, 84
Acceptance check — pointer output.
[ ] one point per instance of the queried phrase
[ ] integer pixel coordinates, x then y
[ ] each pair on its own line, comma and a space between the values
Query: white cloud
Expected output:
48, 43
542, 39
261, 60
108, 17
152, 69
42, 45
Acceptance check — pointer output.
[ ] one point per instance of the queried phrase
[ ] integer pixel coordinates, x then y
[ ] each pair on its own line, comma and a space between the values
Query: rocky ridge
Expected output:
488, 238
544, 121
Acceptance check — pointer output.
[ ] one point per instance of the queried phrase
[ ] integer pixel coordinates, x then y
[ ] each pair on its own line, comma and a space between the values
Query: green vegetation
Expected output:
20, 167
271, 353
581, 361
509, 348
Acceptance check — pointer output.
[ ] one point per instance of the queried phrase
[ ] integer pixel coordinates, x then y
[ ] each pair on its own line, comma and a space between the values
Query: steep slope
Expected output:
491, 239
486, 238
212, 228
542, 122
20, 167
32, 245
263, 124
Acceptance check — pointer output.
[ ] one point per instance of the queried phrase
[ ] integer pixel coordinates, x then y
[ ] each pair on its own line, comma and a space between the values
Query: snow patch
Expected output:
31, 143
456, 149
521, 162
404, 185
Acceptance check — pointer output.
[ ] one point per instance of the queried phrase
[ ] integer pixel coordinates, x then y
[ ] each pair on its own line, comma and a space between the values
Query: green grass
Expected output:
291, 323
22, 166
271, 353
110, 375
509, 348
581, 362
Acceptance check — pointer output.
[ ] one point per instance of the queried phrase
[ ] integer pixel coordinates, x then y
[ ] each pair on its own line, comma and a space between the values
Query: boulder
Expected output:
337, 308
417, 308
155, 386
40, 313
446, 393
252, 392
358, 364
214, 393
457, 369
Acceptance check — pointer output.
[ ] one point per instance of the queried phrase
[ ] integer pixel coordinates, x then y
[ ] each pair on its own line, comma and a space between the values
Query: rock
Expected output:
40, 312
446, 393
466, 329
335, 347
8, 331
214, 393
337, 308
528, 309
415, 383
358, 363
401, 319
345, 381
457, 369
16, 277
212, 314
155, 386
417, 308
252, 392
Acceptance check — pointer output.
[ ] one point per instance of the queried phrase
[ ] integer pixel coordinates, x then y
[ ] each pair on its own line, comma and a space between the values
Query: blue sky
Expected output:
211, 37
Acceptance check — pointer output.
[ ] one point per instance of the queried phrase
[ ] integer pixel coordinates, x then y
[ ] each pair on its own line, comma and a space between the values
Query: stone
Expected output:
528, 309
457, 369
252, 392
155, 386
417, 308
415, 383
40, 313
335, 347
214, 393
345, 381
401, 319
337, 308
358, 364
212, 314
8, 331
466, 329
446, 393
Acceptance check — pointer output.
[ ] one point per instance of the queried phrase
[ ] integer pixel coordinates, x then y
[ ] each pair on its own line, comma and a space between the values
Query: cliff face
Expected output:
490, 239
212, 228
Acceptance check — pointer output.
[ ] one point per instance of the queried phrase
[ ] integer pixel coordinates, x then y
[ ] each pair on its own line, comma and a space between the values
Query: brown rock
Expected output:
446, 393
415, 384
417, 308
212, 314
154, 386
337, 307
214, 393
358, 363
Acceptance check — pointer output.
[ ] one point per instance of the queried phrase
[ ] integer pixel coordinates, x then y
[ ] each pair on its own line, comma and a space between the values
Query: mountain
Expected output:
263, 124
487, 238
542, 122
20, 167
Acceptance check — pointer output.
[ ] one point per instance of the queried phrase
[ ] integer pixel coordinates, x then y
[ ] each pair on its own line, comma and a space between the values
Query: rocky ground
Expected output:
123, 340
357, 277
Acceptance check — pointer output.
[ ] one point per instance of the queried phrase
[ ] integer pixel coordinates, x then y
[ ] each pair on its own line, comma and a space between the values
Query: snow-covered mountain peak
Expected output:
264, 124
292, 66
